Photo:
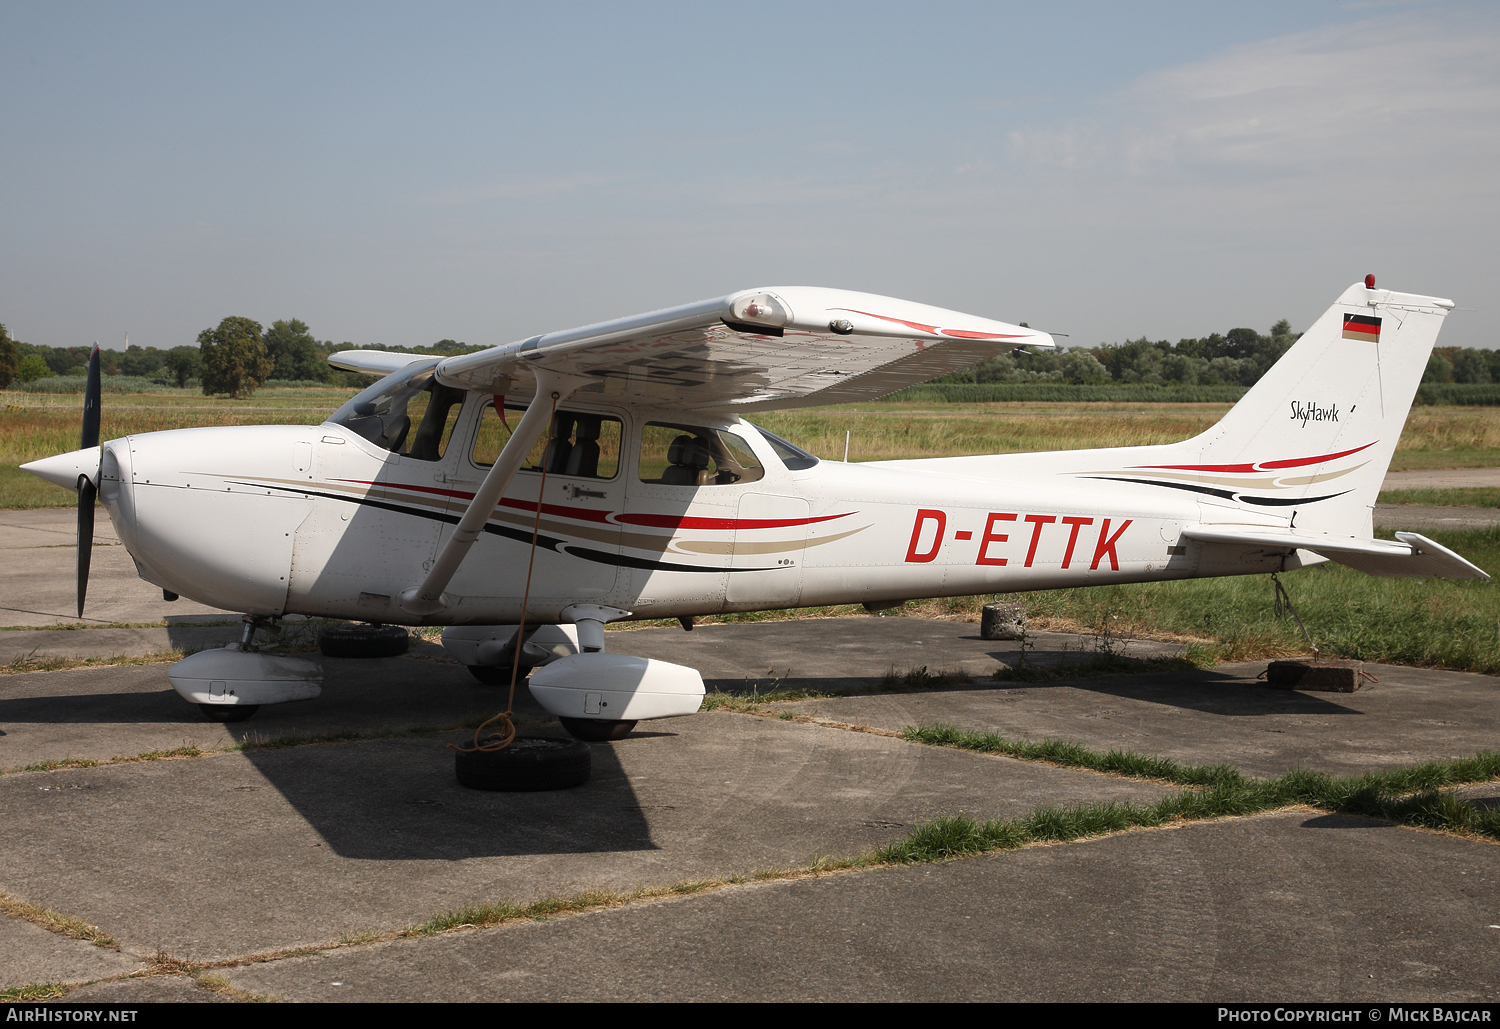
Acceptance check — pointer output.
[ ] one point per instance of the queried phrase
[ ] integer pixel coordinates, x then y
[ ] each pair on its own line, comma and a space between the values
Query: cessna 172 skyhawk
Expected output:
605, 473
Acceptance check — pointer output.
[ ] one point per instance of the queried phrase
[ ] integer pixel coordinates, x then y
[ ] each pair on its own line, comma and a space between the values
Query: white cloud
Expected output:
1391, 94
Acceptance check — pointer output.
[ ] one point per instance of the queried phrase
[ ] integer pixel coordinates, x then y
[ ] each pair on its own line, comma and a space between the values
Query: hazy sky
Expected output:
398, 174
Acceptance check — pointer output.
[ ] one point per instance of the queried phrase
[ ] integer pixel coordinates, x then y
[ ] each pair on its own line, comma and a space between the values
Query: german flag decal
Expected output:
1362, 327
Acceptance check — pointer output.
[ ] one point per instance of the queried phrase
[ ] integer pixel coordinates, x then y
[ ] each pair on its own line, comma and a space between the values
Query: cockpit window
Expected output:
687, 455
794, 457
385, 413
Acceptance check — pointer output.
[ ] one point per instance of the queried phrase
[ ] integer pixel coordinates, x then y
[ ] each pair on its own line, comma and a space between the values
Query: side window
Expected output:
688, 455
583, 445
435, 412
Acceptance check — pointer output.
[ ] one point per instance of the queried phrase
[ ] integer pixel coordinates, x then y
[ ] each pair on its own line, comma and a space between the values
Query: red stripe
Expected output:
1303, 462
685, 522
934, 330
1264, 466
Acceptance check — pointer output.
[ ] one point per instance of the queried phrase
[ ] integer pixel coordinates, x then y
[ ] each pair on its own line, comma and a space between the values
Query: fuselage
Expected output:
336, 520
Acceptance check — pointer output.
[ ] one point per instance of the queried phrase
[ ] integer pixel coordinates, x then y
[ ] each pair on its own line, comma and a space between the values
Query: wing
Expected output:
1413, 556
756, 350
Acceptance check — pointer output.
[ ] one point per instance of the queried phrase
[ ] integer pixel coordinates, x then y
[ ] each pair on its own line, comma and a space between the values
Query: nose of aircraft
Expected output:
64, 469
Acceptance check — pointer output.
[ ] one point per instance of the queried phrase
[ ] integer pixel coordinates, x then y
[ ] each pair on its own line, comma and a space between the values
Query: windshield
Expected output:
380, 414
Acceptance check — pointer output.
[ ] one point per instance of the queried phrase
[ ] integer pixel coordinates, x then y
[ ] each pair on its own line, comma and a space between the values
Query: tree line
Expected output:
236, 357
1239, 357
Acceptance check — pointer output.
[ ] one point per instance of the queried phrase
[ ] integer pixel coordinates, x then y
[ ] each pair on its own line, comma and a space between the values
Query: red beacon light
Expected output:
1369, 282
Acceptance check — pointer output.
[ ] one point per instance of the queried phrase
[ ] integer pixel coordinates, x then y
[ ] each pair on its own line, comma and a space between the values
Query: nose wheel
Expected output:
228, 712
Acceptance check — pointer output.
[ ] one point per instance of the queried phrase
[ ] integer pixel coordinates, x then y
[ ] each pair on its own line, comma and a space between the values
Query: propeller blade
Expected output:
91, 403
86, 494
87, 490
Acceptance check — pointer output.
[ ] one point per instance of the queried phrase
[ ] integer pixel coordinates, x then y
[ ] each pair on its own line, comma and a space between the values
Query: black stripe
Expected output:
1361, 319
519, 535
1270, 502
1224, 493
626, 561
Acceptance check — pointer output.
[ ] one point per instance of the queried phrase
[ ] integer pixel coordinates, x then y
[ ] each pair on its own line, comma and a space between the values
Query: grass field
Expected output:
35, 425
1442, 497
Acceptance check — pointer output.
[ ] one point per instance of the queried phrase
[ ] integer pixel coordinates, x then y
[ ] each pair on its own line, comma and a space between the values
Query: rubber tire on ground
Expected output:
596, 730
228, 712
529, 764
497, 675
364, 641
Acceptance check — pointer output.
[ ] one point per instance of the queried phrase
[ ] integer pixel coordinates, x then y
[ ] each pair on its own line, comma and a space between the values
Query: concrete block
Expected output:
1323, 677
1002, 621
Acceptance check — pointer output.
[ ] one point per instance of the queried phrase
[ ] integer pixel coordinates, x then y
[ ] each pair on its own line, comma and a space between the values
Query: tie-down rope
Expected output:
507, 734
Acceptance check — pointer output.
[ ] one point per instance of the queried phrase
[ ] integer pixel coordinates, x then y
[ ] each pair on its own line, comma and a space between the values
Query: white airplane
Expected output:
605, 473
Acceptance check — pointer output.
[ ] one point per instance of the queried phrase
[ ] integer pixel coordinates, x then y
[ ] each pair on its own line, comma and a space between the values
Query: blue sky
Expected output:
398, 174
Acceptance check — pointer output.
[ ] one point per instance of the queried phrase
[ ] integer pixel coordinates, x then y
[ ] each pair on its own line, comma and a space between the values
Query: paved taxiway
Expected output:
233, 854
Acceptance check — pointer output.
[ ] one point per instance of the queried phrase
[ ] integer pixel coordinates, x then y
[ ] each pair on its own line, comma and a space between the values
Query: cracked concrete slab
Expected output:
101, 713
1292, 905
1217, 716
219, 856
38, 579
31, 954
160, 989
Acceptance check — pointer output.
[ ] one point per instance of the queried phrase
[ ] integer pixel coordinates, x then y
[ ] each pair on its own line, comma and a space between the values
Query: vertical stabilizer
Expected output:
1314, 436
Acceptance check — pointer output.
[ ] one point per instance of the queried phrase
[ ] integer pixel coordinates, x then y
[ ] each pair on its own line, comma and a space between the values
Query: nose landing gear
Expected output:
230, 684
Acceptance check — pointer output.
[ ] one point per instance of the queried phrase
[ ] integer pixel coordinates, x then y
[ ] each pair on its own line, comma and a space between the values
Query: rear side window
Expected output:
582, 445
691, 455
794, 457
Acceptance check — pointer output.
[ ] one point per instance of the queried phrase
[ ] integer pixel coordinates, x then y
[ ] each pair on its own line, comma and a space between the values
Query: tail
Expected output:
1315, 435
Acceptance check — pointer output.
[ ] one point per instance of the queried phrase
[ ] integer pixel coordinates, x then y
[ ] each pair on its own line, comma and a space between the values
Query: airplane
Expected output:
525, 495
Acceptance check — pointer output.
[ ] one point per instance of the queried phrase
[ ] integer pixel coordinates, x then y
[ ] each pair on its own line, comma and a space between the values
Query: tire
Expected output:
363, 641
497, 675
529, 764
228, 712
596, 730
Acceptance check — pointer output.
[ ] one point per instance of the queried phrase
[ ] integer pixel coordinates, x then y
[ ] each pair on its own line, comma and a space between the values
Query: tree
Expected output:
9, 360
234, 358
32, 368
184, 363
294, 352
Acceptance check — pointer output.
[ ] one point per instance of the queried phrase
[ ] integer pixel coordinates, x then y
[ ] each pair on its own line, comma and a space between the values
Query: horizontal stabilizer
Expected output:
373, 362
1413, 556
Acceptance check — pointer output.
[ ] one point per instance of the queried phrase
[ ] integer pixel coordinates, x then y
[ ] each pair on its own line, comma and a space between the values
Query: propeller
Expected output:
88, 490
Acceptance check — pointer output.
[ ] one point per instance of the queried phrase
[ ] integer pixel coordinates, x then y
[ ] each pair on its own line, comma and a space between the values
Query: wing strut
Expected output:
429, 598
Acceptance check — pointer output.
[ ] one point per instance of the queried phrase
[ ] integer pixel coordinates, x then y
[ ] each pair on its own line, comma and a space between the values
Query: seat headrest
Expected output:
589, 427
688, 453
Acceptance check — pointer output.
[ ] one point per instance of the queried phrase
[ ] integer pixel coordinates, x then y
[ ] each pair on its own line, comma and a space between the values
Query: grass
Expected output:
1480, 497
32, 991
34, 425
1410, 796
55, 921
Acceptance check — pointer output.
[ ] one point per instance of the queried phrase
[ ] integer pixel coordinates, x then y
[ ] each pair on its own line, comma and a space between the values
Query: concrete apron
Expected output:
1294, 905
223, 856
